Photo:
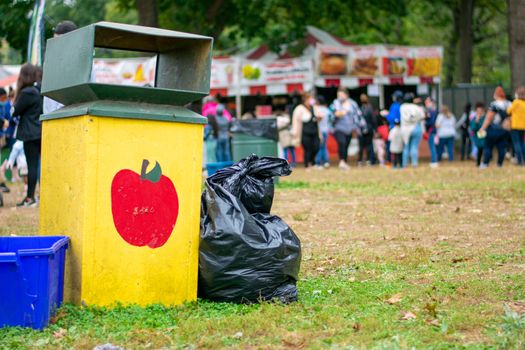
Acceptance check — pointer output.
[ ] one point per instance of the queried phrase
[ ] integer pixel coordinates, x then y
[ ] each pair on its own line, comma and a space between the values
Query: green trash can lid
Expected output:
182, 74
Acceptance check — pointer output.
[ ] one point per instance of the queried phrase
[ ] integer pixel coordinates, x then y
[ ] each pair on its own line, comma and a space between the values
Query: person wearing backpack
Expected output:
495, 128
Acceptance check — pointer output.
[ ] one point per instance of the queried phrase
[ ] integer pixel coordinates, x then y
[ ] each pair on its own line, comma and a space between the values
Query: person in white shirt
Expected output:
412, 116
446, 132
396, 144
50, 105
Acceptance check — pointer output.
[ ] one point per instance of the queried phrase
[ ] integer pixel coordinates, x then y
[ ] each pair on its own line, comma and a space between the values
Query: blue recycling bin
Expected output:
31, 279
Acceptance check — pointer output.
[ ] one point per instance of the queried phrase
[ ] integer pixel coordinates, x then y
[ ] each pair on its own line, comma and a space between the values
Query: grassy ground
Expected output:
426, 259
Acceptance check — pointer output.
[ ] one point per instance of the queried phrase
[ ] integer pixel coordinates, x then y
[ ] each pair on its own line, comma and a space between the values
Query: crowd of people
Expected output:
21, 129
393, 137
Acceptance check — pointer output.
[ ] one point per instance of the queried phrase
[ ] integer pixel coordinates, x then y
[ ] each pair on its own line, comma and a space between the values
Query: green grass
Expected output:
447, 246
493, 188
346, 309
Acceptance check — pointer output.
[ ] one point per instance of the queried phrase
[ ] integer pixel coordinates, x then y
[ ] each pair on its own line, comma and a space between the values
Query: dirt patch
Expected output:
447, 214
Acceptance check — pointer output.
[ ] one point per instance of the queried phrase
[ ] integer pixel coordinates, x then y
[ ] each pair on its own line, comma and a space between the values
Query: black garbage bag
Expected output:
245, 255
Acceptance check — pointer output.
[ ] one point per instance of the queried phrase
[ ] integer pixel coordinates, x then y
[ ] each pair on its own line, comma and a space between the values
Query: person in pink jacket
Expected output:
210, 105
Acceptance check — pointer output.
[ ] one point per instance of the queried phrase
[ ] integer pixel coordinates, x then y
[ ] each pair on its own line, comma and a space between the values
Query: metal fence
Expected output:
457, 97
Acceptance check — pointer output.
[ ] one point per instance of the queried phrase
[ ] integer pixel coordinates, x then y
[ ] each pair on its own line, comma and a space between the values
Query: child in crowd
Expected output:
16, 158
475, 125
380, 140
396, 143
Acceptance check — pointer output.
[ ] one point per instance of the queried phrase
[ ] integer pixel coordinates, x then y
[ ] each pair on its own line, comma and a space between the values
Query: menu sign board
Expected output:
333, 60
396, 61
364, 61
426, 61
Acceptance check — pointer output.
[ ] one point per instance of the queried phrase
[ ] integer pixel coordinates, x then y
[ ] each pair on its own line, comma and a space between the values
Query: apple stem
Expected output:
145, 164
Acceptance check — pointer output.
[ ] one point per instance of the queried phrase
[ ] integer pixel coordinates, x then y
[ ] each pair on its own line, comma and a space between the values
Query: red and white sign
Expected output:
393, 63
224, 73
131, 71
255, 73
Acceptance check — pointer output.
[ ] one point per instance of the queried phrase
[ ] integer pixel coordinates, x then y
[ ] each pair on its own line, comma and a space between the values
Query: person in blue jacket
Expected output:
393, 115
393, 112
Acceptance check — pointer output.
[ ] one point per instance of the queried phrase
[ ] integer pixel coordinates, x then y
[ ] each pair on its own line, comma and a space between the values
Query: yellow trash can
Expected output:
121, 168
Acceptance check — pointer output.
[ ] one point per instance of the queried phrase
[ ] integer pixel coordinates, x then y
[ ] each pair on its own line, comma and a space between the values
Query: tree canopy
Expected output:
473, 32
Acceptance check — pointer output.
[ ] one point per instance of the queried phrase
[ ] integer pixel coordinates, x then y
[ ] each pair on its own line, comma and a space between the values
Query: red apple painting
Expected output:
145, 207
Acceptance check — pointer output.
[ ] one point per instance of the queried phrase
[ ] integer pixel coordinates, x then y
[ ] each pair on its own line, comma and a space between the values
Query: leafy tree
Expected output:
470, 30
14, 24
15, 18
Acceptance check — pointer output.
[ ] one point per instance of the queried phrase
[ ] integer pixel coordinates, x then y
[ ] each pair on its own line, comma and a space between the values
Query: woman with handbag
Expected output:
306, 129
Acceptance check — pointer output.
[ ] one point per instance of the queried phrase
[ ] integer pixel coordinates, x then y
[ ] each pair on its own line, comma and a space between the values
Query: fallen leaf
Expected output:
517, 306
60, 333
407, 315
356, 326
433, 322
457, 210
394, 299
458, 260
320, 269
237, 335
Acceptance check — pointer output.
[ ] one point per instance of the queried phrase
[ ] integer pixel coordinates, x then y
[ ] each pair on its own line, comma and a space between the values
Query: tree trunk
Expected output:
516, 18
148, 12
452, 49
466, 40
